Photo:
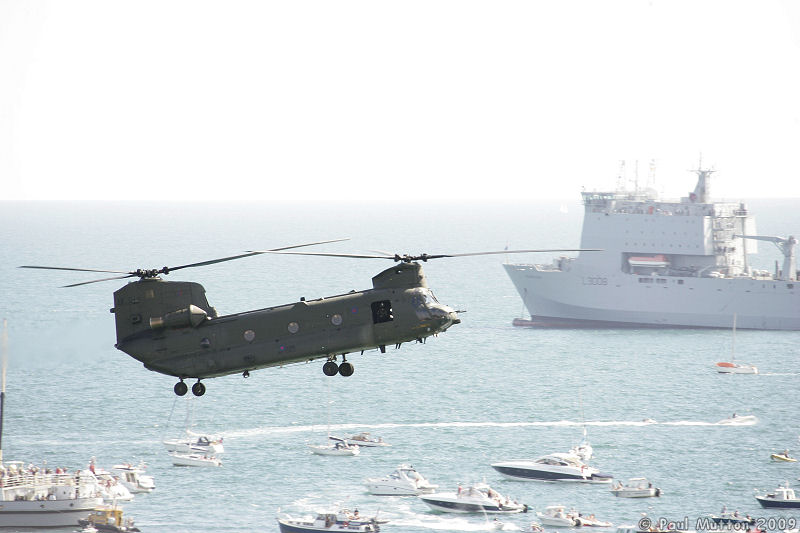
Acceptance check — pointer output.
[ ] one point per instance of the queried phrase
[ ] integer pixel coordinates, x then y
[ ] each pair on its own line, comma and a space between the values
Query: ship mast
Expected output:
702, 191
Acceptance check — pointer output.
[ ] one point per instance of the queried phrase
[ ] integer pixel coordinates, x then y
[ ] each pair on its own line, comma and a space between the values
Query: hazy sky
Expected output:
302, 100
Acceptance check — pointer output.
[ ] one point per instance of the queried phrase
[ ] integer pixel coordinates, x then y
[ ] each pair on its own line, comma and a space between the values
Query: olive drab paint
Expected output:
170, 327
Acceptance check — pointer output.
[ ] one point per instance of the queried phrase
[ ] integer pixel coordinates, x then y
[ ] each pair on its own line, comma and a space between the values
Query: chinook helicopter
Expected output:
170, 327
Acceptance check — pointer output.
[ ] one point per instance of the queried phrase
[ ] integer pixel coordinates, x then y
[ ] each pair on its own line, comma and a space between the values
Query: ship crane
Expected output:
786, 246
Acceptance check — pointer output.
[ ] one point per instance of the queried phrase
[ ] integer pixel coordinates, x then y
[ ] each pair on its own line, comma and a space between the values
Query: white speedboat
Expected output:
337, 448
557, 516
363, 439
478, 498
636, 487
194, 459
552, 467
196, 443
111, 488
134, 478
343, 520
739, 420
404, 481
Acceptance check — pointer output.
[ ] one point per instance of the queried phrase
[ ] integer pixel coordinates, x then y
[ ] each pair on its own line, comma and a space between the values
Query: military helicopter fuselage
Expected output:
170, 327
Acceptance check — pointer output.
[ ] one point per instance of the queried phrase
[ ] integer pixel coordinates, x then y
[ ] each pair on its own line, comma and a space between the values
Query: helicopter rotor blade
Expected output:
521, 252
249, 254
76, 269
151, 273
98, 280
425, 257
354, 256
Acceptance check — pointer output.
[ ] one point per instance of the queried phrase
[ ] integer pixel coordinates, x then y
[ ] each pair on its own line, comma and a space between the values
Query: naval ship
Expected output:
663, 264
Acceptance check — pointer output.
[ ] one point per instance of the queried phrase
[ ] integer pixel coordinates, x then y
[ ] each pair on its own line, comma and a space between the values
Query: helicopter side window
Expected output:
382, 311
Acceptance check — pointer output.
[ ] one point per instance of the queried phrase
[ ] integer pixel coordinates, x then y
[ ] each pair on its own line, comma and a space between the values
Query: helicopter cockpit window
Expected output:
382, 311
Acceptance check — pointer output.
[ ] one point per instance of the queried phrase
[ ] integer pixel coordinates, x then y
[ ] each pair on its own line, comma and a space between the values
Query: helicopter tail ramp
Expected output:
152, 304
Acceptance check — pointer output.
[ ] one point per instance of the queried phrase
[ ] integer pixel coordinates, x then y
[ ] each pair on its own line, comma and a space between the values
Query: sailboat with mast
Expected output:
334, 446
732, 367
33, 496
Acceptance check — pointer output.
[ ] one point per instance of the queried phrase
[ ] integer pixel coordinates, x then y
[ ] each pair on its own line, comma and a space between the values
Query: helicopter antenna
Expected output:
154, 272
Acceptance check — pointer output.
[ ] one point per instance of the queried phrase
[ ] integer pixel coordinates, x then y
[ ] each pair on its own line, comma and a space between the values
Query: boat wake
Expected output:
343, 428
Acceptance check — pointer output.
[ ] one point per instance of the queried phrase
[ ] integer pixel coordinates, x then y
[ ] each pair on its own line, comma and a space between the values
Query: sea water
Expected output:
484, 391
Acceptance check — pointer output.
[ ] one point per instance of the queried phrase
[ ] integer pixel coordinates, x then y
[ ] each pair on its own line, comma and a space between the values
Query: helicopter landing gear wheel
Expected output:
330, 368
181, 388
346, 368
198, 389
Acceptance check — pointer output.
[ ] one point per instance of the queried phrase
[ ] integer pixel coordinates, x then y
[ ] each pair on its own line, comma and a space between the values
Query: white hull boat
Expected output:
696, 271
557, 516
29, 499
194, 459
405, 481
134, 478
637, 487
552, 467
735, 368
342, 521
340, 448
478, 498
195, 443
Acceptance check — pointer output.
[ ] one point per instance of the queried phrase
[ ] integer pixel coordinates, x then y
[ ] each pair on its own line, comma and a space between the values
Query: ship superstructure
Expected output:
679, 263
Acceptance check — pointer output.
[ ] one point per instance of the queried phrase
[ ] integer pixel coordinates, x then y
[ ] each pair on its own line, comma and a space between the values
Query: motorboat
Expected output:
108, 518
477, 498
111, 488
337, 448
404, 481
36, 497
363, 439
109, 485
194, 459
783, 496
552, 467
342, 520
558, 516
739, 420
726, 518
134, 478
636, 487
195, 443
783, 457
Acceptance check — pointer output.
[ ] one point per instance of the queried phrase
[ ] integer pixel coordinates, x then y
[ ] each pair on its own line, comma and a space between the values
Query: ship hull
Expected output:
46, 513
577, 298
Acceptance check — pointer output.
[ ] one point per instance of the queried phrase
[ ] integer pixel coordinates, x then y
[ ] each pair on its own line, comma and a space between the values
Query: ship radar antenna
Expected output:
702, 191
